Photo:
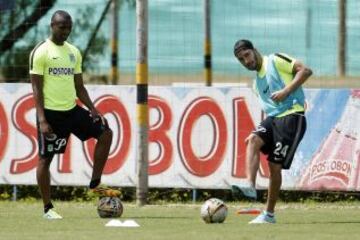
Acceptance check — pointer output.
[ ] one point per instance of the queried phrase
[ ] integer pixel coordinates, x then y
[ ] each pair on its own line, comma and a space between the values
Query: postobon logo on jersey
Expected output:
61, 71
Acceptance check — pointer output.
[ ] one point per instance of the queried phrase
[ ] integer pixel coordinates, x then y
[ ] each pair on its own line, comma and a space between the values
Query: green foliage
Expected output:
16, 64
83, 28
15, 61
172, 195
131, 3
9, 19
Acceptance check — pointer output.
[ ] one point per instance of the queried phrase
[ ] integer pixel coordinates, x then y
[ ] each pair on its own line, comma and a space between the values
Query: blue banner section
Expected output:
326, 108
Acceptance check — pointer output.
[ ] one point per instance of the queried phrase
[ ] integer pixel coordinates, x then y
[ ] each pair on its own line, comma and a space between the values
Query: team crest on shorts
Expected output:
260, 129
72, 57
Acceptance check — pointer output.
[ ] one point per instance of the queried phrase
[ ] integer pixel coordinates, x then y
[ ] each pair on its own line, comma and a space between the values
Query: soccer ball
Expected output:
109, 207
214, 210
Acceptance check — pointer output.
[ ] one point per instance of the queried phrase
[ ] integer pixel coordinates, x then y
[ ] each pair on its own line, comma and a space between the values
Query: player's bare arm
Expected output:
84, 97
37, 85
82, 93
301, 74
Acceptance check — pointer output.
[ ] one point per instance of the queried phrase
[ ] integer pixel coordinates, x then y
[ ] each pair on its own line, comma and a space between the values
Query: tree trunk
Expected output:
17, 33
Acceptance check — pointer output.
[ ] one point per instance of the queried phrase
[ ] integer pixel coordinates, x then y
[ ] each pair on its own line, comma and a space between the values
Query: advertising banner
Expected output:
196, 139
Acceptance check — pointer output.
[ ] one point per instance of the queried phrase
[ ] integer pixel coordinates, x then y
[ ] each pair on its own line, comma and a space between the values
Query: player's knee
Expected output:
44, 162
254, 141
275, 170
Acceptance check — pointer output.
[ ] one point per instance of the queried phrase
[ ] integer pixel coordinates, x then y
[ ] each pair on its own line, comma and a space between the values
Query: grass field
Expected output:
20, 220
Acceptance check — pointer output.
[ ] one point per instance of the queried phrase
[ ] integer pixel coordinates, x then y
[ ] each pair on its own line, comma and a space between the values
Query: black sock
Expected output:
48, 206
94, 183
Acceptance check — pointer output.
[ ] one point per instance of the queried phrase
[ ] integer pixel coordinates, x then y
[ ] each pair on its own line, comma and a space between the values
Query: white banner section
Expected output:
196, 137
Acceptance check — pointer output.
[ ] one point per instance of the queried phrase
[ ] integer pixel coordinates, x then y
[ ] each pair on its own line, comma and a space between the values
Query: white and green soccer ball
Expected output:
214, 210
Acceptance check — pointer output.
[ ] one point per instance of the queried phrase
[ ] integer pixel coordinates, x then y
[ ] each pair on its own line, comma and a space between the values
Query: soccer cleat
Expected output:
104, 191
249, 192
52, 215
263, 218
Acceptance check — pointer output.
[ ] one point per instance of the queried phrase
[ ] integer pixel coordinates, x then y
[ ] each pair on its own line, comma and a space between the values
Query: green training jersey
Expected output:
57, 64
284, 65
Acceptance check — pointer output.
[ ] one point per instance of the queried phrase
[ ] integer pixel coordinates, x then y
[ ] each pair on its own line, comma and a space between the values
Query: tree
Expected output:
20, 32
13, 34
16, 20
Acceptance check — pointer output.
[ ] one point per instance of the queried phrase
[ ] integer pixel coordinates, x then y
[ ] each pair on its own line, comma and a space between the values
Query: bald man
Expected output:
56, 78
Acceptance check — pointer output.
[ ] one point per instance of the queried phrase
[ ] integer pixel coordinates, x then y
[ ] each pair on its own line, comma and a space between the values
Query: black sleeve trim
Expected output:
33, 53
283, 57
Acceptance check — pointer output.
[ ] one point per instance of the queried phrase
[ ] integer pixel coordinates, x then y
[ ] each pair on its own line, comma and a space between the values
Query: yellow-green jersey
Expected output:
57, 64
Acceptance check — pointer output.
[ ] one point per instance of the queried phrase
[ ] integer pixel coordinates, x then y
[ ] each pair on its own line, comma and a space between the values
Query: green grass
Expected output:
21, 220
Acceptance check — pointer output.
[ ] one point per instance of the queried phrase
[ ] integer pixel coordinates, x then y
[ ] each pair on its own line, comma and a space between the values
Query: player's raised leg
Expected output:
254, 144
101, 154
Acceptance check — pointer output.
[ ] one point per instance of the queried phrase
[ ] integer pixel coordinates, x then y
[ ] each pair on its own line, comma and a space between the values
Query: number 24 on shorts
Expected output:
280, 149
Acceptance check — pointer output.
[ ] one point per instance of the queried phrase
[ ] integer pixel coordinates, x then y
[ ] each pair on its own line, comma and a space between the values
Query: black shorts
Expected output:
281, 137
77, 121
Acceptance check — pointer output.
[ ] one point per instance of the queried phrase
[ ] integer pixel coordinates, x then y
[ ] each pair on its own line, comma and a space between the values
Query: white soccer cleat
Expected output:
263, 218
52, 215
